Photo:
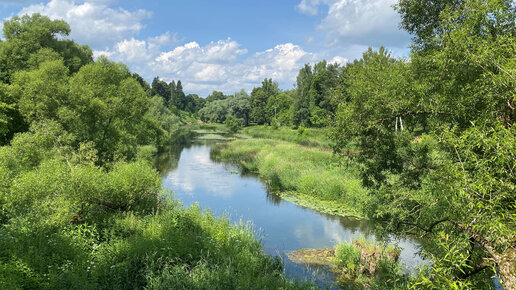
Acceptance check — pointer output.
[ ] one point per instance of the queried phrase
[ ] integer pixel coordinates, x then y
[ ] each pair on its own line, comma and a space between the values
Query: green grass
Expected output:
174, 249
315, 174
71, 225
360, 264
312, 137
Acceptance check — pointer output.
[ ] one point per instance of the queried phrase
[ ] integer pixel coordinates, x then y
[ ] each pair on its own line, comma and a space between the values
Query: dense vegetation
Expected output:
81, 207
424, 146
432, 135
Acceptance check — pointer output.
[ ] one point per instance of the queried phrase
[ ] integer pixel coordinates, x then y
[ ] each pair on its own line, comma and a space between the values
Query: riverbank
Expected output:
71, 224
309, 176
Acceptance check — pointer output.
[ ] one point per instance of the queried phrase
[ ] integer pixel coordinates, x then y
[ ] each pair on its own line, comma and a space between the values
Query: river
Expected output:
281, 225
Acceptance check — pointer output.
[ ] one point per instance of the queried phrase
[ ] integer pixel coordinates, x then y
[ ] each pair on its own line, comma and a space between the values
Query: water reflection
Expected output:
273, 198
283, 226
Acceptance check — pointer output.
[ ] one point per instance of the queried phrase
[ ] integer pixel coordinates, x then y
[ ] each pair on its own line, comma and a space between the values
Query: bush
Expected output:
233, 124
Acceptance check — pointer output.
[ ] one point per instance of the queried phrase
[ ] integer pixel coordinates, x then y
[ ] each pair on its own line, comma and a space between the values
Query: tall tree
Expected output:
301, 104
259, 98
160, 88
27, 35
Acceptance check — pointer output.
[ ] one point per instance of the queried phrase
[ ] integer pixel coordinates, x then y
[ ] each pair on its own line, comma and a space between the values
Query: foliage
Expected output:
289, 167
217, 109
233, 124
75, 211
259, 98
32, 39
313, 137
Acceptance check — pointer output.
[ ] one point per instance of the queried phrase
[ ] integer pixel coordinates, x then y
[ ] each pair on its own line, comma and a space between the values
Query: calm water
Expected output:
281, 225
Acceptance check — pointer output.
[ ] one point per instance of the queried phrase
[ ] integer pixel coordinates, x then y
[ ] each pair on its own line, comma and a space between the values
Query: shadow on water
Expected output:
281, 225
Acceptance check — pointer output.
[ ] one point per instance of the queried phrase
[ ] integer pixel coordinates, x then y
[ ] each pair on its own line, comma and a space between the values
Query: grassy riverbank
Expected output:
303, 136
66, 223
309, 176
361, 264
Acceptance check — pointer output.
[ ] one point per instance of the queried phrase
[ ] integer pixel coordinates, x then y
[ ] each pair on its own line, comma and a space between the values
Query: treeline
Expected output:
312, 104
80, 204
433, 134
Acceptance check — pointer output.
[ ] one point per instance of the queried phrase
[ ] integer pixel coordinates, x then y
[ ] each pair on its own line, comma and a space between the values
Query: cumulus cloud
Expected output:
18, 2
93, 22
358, 22
311, 7
219, 65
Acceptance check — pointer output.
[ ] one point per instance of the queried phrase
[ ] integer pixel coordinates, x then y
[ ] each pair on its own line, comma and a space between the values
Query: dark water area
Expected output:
281, 225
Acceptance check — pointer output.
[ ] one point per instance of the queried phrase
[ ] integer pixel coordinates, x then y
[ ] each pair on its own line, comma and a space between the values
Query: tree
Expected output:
27, 35
106, 106
42, 93
279, 107
464, 165
301, 104
233, 124
144, 84
259, 99
160, 88
177, 96
215, 111
214, 96
240, 106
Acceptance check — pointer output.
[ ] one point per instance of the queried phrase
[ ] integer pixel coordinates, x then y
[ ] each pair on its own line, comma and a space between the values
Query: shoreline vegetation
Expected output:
81, 206
312, 177
426, 147
360, 264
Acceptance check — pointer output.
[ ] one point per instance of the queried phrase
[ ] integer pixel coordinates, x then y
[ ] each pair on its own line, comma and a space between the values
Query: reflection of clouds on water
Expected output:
328, 232
196, 171
281, 225
321, 231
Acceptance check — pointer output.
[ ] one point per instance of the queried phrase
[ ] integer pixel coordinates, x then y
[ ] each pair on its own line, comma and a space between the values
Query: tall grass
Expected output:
66, 224
367, 264
174, 249
290, 167
313, 137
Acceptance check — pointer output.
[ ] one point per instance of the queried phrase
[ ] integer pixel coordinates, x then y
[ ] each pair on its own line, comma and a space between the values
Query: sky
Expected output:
224, 45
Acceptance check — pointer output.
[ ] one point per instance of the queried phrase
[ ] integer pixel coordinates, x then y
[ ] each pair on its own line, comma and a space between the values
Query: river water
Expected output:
281, 225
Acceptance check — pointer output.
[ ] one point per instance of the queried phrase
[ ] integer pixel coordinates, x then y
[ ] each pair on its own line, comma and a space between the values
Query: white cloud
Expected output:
357, 22
311, 7
93, 22
338, 59
99, 53
165, 39
222, 51
133, 50
219, 65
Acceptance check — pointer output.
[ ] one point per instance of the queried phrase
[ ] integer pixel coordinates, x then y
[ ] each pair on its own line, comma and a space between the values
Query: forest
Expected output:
423, 146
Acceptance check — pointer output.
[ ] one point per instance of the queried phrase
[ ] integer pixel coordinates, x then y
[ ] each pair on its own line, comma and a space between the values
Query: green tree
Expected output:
259, 99
107, 104
27, 35
161, 89
233, 124
44, 92
214, 96
240, 106
301, 104
177, 96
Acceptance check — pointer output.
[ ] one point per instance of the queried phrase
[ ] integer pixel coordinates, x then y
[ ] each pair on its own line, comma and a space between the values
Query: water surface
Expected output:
282, 226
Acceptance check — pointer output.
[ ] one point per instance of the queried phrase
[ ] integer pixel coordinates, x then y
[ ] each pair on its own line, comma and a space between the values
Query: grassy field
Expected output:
303, 136
315, 177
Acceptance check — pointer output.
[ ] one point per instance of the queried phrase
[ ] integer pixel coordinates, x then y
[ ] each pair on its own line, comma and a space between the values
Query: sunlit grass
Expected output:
314, 137
291, 167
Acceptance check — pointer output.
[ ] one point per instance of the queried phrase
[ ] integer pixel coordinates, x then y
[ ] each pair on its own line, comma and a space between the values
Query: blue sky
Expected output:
224, 45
